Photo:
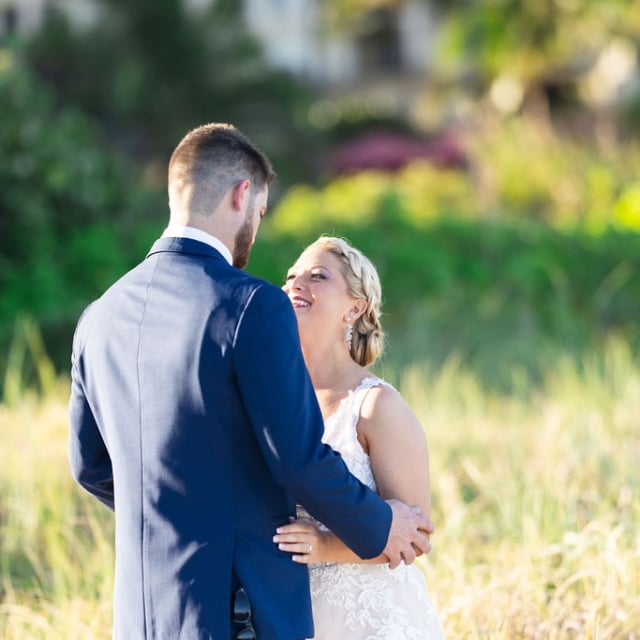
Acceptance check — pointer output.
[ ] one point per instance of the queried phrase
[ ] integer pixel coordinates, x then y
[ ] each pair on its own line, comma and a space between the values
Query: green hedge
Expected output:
592, 278
502, 266
69, 205
502, 293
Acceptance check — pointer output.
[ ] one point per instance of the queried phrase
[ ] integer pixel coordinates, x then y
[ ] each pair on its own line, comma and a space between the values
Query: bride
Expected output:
335, 291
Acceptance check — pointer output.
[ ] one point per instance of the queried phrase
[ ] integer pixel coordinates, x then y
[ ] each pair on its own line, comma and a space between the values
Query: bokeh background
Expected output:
485, 155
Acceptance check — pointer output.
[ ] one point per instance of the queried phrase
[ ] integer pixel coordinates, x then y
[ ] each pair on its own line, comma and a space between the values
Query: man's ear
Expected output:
239, 192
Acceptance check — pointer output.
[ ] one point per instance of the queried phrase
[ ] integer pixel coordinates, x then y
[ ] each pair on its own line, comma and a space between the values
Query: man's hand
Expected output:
409, 534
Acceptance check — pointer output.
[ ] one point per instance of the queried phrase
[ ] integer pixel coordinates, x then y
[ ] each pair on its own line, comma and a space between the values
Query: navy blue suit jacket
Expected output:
192, 415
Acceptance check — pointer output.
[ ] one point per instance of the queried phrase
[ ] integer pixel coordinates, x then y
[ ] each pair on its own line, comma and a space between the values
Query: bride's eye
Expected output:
289, 276
318, 275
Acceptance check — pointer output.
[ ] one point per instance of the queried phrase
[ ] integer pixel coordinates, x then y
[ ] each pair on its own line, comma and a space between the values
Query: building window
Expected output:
379, 43
9, 20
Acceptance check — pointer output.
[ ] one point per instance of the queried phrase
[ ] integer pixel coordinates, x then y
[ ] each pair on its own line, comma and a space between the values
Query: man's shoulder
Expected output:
261, 293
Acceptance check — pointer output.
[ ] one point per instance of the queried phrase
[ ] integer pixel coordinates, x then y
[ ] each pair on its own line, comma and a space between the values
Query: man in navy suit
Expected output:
193, 417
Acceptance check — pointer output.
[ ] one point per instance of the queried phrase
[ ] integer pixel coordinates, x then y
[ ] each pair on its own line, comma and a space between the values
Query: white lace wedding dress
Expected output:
366, 601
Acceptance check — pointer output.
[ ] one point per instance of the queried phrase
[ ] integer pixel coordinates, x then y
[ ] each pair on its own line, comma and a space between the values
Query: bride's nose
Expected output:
291, 284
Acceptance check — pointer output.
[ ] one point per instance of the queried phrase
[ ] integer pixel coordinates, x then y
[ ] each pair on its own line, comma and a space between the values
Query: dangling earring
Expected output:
348, 336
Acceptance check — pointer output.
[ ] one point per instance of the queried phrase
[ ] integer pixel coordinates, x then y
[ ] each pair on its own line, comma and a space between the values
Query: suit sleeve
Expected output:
280, 400
88, 455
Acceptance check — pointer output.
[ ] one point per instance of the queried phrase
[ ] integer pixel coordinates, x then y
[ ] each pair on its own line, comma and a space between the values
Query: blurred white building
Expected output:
26, 15
296, 37
294, 34
378, 63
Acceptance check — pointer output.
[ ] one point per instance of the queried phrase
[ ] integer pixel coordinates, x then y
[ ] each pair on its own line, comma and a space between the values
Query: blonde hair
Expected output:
363, 282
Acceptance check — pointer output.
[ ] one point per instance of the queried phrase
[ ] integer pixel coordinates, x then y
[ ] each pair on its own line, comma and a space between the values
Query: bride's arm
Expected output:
310, 545
396, 443
393, 437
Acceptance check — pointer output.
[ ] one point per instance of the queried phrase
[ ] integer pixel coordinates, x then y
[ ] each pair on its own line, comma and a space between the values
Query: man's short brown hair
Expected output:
213, 157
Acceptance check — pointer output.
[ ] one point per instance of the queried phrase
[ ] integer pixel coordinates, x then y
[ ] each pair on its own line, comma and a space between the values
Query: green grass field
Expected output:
535, 501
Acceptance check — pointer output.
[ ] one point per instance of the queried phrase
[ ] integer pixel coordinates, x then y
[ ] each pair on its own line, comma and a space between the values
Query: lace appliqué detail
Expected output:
371, 602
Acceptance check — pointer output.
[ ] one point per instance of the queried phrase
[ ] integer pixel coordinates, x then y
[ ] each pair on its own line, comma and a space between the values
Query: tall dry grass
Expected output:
535, 499
56, 552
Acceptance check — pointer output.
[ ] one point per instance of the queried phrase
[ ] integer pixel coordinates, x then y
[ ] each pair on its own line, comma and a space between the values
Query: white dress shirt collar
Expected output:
178, 231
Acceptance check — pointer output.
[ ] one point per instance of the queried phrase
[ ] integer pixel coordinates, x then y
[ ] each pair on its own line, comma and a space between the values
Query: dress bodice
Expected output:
341, 432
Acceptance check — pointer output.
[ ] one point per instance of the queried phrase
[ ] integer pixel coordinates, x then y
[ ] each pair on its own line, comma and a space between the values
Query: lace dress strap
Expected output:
357, 396
341, 431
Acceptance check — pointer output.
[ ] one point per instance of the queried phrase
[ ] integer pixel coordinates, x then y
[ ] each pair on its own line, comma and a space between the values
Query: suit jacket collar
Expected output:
185, 245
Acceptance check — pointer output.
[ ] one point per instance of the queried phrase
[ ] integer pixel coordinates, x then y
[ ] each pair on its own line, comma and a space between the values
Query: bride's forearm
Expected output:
338, 551
311, 544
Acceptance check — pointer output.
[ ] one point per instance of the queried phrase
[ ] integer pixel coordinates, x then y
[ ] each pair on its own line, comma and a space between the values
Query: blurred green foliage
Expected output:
149, 71
489, 280
534, 248
89, 118
522, 168
532, 39
68, 205
546, 46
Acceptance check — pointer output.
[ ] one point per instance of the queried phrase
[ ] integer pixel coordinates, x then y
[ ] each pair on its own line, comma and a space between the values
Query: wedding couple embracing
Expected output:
264, 483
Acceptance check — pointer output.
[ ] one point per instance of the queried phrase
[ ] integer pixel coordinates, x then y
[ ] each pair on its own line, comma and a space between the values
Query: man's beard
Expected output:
243, 242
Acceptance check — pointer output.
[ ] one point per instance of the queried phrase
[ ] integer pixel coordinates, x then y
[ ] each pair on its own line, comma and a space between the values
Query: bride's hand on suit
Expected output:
309, 544
303, 539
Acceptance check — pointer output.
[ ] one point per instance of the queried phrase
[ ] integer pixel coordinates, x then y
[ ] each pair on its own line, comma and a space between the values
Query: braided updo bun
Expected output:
363, 282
